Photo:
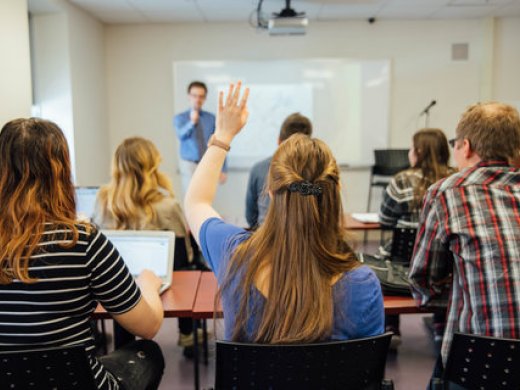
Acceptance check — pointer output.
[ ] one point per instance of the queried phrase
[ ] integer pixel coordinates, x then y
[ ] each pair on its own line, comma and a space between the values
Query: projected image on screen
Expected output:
346, 99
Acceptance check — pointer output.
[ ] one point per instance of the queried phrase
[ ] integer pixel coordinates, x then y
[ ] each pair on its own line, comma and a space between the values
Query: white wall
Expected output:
139, 77
15, 66
51, 71
507, 60
87, 61
69, 83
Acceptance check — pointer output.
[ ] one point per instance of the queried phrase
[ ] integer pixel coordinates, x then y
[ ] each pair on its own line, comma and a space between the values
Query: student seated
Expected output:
402, 201
140, 197
473, 217
54, 270
257, 200
295, 279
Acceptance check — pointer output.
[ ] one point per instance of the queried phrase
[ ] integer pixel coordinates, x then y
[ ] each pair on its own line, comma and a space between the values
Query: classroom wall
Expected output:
139, 76
69, 67
15, 66
506, 79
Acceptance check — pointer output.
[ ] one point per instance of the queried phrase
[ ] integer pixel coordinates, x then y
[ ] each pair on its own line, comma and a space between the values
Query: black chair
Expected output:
403, 240
388, 162
42, 369
480, 362
353, 364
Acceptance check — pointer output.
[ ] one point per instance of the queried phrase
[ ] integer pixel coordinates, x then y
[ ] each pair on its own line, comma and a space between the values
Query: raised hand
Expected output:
231, 115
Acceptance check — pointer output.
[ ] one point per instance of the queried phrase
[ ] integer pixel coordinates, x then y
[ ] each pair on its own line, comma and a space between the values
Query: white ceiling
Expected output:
167, 11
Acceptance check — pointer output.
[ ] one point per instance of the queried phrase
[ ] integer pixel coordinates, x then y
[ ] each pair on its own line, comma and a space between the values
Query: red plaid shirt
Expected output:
473, 217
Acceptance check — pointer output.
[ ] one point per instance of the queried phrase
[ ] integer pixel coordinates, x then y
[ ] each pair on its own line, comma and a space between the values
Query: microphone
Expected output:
428, 107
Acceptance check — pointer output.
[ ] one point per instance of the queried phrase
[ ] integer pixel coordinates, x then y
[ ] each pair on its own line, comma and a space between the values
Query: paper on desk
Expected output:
366, 217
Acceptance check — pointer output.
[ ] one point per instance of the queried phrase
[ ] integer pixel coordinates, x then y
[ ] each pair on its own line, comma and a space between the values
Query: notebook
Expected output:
150, 249
86, 201
366, 217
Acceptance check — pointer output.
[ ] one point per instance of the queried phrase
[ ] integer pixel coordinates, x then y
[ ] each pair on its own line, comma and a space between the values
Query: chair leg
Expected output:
205, 340
196, 354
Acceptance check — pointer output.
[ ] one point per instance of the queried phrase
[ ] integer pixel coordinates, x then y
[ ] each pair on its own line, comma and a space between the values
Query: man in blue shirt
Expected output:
194, 128
257, 200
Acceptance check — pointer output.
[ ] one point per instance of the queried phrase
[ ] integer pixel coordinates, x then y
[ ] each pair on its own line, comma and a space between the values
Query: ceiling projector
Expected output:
288, 22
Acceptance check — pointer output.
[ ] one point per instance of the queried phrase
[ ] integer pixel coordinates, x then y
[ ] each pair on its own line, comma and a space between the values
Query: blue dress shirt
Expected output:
194, 138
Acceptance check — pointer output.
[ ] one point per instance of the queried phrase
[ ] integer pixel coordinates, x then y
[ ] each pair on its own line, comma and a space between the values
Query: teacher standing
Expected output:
194, 128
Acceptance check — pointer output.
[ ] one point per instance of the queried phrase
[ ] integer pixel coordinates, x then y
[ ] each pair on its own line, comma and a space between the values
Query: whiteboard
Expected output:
347, 101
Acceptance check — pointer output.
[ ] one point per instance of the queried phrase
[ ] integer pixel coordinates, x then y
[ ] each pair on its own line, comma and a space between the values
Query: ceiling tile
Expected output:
466, 12
342, 12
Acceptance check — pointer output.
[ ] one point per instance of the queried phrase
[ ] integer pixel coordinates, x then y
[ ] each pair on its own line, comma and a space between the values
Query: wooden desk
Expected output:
177, 301
204, 302
204, 306
354, 224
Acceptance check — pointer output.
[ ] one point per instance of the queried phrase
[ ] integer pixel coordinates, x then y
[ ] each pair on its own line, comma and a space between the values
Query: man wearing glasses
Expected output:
473, 217
194, 128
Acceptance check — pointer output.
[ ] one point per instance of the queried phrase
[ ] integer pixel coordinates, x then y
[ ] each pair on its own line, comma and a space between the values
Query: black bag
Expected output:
392, 275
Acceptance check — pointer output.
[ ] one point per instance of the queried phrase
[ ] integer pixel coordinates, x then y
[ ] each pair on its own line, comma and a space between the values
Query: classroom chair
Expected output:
403, 241
480, 362
387, 162
352, 364
50, 368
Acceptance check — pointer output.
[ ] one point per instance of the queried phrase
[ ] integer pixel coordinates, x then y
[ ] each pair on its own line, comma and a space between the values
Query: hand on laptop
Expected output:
148, 280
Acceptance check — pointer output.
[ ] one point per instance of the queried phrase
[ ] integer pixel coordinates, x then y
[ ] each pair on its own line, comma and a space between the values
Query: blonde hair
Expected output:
136, 184
35, 188
302, 244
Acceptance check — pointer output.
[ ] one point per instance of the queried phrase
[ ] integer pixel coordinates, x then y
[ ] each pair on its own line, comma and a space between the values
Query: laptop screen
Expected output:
140, 252
86, 201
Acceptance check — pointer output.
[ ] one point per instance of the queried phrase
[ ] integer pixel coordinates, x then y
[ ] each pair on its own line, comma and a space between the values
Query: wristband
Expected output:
215, 142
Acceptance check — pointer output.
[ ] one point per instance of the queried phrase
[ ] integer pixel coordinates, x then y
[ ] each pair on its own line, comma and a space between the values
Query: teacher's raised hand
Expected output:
232, 113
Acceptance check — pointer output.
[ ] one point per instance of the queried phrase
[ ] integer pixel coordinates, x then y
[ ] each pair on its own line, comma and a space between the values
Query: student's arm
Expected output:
393, 206
145, 319
138, 311
430, 266
183, 126
231, 117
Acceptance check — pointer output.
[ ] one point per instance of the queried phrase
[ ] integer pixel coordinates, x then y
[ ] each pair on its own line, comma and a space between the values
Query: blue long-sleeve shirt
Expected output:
188, 137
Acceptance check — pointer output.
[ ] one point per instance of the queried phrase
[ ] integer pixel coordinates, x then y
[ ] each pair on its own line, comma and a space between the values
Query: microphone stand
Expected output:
426, 113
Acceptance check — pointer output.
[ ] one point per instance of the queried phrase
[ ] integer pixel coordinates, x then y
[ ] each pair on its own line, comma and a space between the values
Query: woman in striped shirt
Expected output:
54, 270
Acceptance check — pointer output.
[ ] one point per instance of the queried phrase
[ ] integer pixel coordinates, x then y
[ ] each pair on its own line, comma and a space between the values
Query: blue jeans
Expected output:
138, 365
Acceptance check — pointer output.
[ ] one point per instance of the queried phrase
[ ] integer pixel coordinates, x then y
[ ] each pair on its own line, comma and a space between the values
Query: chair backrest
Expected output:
353, 364
403, 241
480, 362
390, 161
53, 368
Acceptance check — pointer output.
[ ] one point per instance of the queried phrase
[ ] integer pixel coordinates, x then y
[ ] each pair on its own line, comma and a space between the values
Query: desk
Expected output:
204, 302
354, 224
177, 301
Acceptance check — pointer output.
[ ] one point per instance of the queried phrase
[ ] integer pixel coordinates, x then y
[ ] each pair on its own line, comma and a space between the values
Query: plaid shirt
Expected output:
398, 206
475, 215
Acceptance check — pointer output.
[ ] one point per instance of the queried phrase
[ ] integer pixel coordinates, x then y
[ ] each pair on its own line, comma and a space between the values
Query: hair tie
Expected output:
306, 188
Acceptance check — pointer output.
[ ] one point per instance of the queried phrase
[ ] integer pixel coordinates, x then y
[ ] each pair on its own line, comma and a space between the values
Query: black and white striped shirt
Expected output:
56, 310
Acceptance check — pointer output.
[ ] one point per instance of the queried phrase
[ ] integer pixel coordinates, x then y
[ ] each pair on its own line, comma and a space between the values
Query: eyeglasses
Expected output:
452, 142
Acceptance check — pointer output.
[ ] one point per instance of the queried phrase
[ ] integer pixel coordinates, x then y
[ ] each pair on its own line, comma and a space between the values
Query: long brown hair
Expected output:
433, 154
302, 246
35, 188
136, 184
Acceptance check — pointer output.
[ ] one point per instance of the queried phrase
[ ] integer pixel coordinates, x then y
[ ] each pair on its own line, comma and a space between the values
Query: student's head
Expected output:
301, 244
136, 183
197, 92
429, 148
430, 153
487, 131
293, 124
35, 188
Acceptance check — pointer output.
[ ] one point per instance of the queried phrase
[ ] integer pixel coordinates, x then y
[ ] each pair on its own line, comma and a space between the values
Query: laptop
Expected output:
150, 249
86, 201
